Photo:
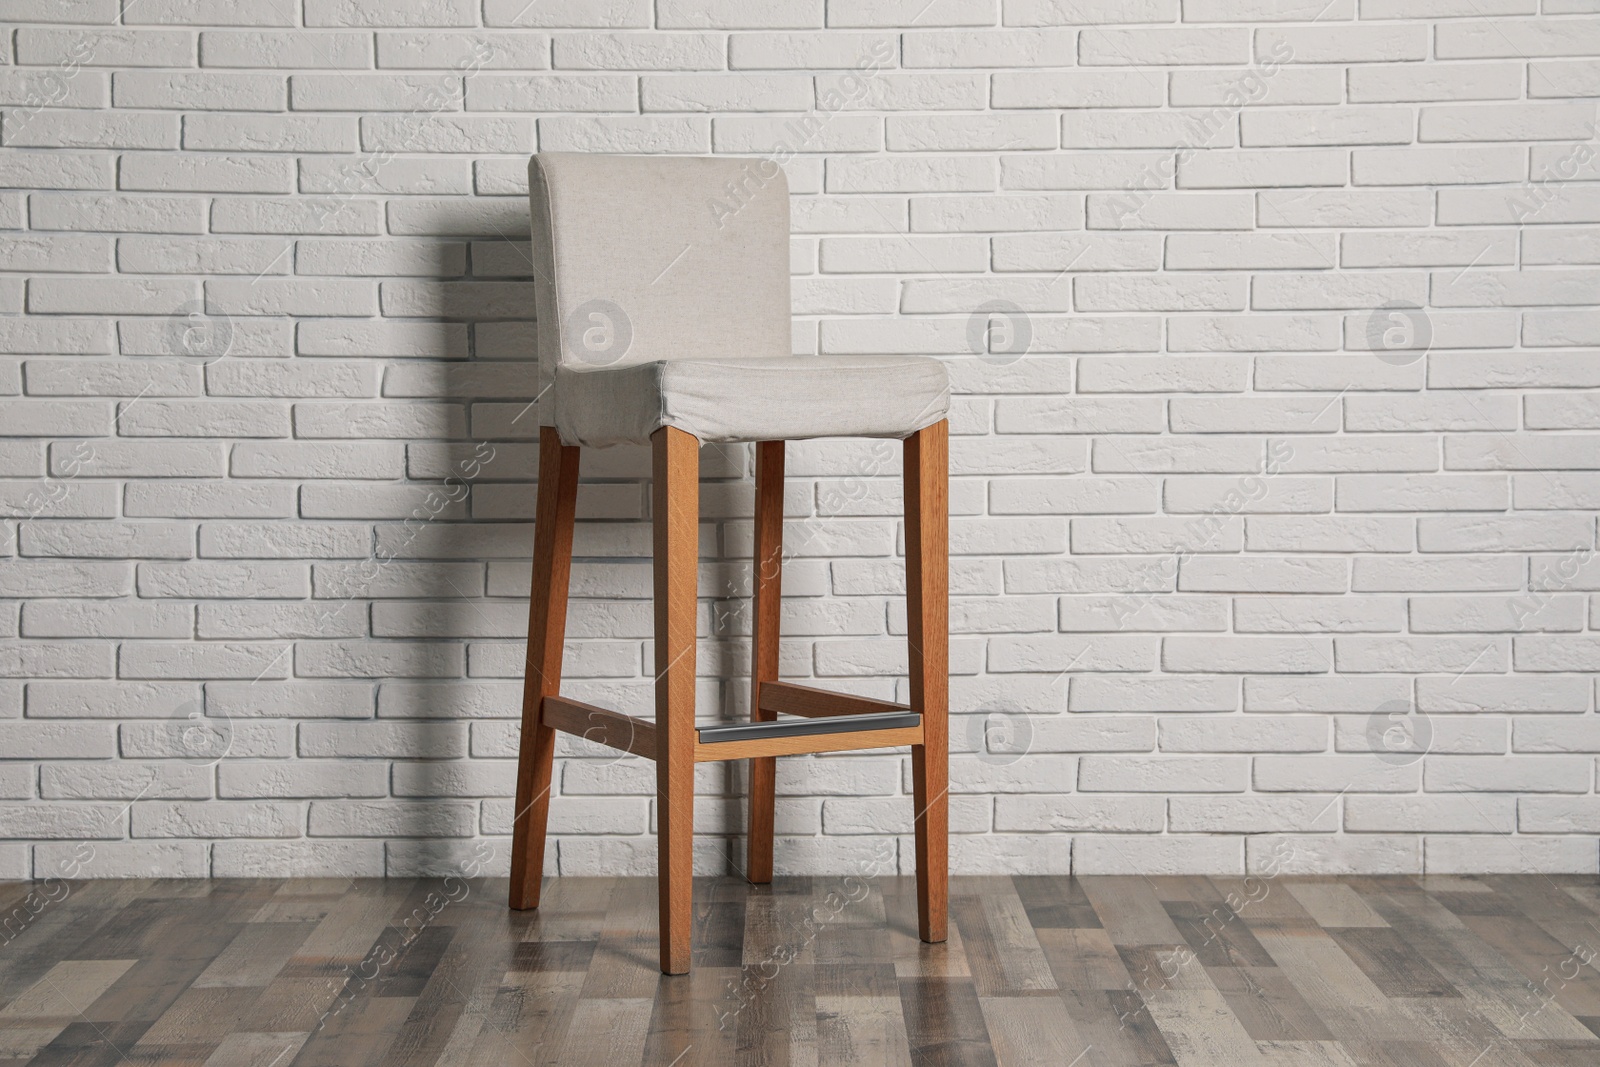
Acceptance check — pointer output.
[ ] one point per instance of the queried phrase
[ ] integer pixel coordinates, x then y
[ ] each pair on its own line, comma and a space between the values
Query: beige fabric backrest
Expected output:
642, 258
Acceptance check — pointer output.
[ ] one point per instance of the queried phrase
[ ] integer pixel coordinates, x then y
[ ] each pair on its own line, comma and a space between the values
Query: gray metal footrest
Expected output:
834, 724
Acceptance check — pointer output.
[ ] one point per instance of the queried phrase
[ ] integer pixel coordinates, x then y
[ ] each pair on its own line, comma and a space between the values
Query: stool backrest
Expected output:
643, 258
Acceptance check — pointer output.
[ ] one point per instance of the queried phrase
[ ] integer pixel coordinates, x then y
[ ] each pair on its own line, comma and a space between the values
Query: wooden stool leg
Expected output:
768, 601
547, 627
676, 523
927, 493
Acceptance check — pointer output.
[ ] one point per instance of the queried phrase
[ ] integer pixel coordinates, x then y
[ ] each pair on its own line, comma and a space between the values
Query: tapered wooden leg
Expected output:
768, 601
927, 493
547, 627
676, 520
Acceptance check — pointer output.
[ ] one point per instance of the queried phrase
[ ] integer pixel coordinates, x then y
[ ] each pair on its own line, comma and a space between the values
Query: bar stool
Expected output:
662, 299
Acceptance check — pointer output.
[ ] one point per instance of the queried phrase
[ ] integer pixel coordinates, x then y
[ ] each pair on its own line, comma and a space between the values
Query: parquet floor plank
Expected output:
1455, 971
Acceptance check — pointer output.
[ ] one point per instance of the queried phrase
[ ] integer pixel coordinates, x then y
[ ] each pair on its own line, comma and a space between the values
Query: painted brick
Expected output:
1206, 512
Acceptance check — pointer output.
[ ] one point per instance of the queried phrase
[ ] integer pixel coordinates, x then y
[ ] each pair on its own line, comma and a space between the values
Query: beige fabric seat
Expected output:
662, 286
782, 398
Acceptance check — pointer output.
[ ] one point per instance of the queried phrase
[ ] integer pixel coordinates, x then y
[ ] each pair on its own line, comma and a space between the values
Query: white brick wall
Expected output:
1279, 533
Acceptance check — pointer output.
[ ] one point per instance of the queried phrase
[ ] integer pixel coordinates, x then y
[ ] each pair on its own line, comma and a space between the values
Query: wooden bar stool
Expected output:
662, 297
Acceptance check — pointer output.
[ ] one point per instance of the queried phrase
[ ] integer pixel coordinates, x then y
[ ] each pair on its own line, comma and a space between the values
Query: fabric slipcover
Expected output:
662, 293
784, 398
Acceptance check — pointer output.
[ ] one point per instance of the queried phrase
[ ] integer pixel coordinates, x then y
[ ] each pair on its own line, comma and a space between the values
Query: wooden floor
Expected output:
1400, 972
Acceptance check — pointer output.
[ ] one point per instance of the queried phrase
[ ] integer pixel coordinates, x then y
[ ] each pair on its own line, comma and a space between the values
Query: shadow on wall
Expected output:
449, 578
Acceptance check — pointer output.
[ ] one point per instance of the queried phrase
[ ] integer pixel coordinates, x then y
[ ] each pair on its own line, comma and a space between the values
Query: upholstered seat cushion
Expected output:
764, 399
